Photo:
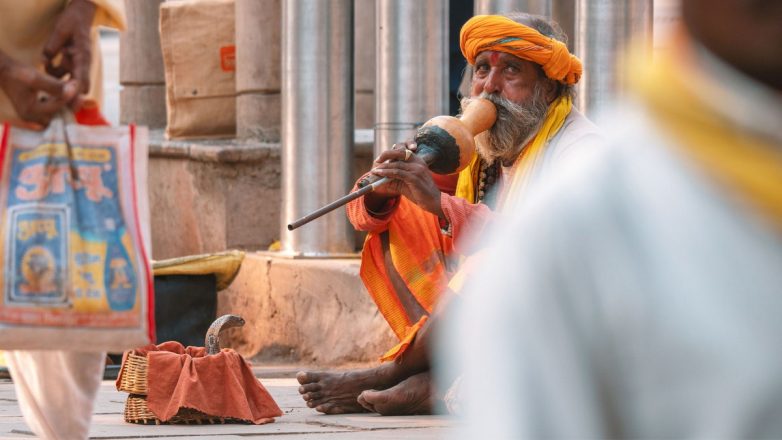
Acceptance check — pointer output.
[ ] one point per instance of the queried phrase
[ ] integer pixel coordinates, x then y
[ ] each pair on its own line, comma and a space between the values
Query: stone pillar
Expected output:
143, 94
412, 67
317, 122
258, 53
562, 11
538, 7
604, 28
364, 67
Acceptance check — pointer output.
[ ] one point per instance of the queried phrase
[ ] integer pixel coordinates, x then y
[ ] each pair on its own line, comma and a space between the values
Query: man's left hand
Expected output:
70, 44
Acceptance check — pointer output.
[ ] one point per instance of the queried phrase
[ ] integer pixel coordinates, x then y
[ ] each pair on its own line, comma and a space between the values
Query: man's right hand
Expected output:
36, 96
409, 176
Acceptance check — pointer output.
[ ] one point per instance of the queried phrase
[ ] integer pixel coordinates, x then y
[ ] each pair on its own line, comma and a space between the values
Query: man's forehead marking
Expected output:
496, 57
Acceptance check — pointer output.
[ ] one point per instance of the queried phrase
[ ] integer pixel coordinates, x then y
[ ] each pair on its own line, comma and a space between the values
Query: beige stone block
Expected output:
252, 202
176, 223
258, 45
258, 116
143, 105
209, 196
141, 60
314, 311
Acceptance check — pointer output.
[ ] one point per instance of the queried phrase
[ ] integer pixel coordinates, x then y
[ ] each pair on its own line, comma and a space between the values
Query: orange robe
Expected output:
407, 259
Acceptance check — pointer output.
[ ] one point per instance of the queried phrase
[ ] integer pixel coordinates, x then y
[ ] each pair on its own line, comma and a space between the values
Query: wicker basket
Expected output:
134, 381
137, 411
134, 374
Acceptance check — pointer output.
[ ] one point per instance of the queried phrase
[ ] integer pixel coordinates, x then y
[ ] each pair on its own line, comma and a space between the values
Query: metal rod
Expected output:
336, 204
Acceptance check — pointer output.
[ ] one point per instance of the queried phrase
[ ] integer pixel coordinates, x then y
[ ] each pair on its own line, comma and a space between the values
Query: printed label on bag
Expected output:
67, 247
39, 256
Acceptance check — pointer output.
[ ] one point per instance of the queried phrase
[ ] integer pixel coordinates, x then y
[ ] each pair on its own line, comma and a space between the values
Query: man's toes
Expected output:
305, 377
374, 397
363, 402
333, 408
328, 408
315, 395
308, 388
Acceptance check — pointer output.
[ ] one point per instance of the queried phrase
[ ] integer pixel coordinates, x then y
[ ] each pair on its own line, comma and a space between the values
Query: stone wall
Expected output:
304, 311
212, 196
209, 196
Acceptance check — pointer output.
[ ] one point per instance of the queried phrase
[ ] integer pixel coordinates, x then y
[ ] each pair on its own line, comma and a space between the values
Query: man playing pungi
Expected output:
416, 231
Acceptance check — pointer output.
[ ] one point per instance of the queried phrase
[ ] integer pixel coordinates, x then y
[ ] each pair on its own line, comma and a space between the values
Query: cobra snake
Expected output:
212, 340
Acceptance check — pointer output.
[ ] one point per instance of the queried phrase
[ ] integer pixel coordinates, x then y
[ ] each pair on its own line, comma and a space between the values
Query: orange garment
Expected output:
406, 288
498, 33
221, 385
408, 260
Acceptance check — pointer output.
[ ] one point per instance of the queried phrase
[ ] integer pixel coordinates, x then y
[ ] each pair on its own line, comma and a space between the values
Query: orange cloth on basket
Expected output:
221, 385
495, 32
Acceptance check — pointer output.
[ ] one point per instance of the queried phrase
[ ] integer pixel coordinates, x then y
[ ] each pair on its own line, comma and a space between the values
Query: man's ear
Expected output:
551, 89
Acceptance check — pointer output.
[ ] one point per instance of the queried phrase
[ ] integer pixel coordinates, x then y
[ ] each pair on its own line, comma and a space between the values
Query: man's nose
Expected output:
493, 83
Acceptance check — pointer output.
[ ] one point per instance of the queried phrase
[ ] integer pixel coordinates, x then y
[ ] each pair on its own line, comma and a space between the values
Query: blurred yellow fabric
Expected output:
224, 265
746, 164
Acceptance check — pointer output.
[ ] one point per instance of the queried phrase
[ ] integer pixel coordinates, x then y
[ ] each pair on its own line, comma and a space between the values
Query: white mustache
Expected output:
516, 124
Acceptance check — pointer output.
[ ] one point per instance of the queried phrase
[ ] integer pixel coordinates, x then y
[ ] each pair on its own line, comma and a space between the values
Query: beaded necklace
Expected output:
487, 181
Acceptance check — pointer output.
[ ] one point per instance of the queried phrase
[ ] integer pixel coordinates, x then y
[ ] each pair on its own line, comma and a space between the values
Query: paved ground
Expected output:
298, 422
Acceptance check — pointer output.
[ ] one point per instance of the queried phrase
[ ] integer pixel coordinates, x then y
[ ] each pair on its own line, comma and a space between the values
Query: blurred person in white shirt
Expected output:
638, 294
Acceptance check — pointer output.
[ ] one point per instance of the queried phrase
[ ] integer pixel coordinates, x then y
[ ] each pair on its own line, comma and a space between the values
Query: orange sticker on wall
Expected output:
228, 58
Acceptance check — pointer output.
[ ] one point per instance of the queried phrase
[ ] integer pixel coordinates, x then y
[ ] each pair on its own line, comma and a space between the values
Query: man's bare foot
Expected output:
411, 396
336, 392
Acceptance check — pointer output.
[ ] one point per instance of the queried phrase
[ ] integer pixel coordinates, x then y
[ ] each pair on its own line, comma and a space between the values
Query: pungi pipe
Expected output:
445, 143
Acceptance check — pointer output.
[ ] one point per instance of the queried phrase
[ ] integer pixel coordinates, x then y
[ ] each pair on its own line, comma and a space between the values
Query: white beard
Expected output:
516, 125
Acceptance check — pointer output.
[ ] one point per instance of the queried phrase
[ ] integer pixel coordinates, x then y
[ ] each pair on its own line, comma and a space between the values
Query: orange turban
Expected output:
495, 32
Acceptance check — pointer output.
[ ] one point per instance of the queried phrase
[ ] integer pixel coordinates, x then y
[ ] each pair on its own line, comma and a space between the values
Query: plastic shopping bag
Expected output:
75, 231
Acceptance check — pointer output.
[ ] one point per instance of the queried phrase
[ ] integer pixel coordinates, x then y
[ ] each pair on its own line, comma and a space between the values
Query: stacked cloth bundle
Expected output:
221, 385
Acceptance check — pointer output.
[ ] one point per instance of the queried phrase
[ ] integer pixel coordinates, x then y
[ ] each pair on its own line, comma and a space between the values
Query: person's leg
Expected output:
56, 390
337, 392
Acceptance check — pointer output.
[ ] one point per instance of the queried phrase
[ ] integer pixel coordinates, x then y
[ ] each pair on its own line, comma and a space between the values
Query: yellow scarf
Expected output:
519, 176
749, 165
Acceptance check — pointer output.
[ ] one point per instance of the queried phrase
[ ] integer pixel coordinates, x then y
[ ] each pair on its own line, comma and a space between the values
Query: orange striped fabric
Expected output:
418, 251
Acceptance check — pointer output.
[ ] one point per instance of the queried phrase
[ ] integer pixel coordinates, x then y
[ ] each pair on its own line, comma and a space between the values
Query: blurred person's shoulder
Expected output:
577, 133
622, 166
